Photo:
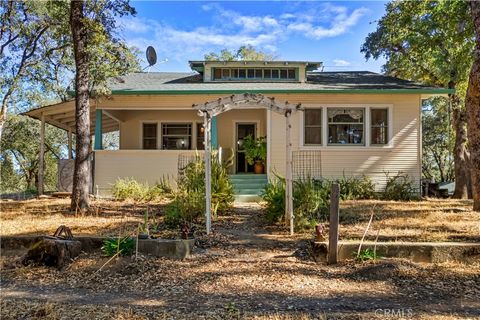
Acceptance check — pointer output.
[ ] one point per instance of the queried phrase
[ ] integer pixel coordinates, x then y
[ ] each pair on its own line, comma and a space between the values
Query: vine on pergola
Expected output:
247, 101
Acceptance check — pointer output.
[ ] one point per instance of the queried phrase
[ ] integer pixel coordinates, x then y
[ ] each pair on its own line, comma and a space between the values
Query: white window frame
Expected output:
367, 130
321, 128
193, 135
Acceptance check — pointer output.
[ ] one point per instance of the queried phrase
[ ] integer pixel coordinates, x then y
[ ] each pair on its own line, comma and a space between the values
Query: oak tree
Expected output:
431, 42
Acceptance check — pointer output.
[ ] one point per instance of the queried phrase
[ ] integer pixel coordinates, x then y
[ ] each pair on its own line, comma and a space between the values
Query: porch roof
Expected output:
317, 82
62, 115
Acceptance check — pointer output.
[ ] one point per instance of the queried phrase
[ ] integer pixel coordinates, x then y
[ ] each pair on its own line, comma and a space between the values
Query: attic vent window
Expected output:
255, 74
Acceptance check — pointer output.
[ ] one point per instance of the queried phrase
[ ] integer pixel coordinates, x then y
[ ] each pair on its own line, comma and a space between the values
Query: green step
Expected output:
248, 191
247, 198
248, 187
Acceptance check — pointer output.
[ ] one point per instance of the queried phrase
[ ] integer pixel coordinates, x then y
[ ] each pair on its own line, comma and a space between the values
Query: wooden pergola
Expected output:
211, 109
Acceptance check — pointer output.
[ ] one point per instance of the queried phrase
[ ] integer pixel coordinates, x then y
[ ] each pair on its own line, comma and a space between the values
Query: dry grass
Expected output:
40, 217
431, 220
234, 274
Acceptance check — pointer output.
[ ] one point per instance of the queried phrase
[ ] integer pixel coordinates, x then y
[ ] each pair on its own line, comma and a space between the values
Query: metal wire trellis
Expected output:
184, 159
306, 164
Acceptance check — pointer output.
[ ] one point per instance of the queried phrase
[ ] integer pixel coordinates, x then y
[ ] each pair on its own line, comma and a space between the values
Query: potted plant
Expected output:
255, 152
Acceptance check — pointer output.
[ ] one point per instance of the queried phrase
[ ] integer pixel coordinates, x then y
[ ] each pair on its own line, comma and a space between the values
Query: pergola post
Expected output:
288, 173
41, 156
208, 170
69, 137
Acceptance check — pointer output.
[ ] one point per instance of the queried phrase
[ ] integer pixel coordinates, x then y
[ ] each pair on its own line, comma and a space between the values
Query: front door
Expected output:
243, 130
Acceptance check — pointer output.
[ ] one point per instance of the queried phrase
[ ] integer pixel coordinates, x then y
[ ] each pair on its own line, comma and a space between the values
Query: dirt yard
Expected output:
432, 220
245, 270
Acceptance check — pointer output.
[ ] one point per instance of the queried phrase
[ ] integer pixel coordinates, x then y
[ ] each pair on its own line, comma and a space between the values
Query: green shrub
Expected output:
130, 189
366, 255
188, 205
311, 197
274, 196
186, 208
310, 201
400, 187
355, 188
118, 246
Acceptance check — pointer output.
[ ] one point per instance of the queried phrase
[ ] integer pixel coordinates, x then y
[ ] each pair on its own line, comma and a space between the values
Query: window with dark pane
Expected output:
217, 73
176, 136
275, 74
149, 136
312, 126
225, 73
379, 126
200, 136
267, 73
242, 73
346, 126
258, 73
283, 74
291, 74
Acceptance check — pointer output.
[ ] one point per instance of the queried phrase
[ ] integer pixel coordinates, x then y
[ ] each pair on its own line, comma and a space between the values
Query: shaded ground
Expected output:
244, 270
432, 220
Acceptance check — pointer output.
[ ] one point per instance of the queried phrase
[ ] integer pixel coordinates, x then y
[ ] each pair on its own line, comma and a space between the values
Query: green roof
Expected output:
317, 82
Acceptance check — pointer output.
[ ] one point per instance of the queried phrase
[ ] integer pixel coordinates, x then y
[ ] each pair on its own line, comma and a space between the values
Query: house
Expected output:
351, 123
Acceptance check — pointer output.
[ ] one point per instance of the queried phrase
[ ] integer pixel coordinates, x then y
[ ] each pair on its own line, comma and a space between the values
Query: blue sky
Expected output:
330, 32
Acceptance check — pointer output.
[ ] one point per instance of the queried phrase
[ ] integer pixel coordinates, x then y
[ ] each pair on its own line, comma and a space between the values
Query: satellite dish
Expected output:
151, 56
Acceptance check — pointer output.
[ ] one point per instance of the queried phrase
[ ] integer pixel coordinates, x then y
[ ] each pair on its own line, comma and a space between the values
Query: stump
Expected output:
54, 251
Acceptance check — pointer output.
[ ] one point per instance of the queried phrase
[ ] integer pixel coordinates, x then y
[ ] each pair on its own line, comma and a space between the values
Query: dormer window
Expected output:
255, 74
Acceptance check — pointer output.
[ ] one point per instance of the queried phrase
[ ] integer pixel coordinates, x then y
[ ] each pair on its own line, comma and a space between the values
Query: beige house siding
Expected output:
145, 166
403, 155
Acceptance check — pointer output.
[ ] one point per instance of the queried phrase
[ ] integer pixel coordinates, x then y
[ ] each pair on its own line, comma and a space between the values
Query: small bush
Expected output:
274, 196
310, 201
188, 205
130, 189
400, 188
121, 246
186, 208
354, 188
366, 255
311, 197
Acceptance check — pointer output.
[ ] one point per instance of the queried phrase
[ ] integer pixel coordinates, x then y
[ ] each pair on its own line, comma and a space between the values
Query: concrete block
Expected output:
430, 252
169, 248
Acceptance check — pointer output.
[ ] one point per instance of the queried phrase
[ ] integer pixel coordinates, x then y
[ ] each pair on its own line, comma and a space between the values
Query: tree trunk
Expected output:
460, 153
81, 175
472, 102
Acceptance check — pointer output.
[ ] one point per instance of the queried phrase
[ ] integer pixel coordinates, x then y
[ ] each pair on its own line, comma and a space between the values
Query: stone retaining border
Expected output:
170, 248
431, 252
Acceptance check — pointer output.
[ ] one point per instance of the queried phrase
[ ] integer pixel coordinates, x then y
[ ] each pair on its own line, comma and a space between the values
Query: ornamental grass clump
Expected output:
130, 189
400, 187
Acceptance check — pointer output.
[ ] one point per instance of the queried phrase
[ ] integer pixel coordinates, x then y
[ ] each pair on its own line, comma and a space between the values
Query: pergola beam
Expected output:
212, 109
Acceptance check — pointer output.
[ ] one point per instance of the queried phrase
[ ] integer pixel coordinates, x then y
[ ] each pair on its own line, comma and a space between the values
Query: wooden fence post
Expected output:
334, 221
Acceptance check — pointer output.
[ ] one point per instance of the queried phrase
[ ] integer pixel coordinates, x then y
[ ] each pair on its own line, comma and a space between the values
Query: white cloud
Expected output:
134, 25
232, 29
341, 63
338, 19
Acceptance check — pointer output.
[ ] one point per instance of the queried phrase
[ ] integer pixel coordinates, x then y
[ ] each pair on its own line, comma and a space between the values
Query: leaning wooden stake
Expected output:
333, 229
